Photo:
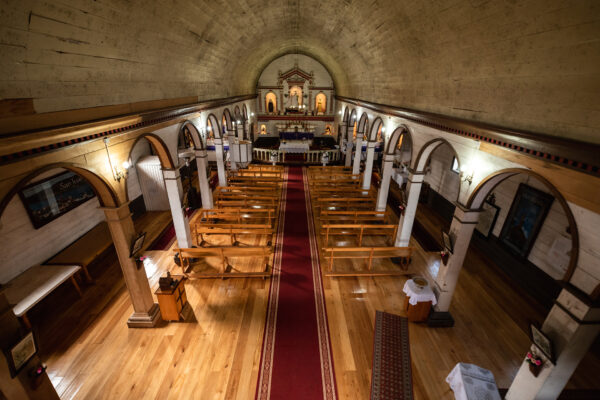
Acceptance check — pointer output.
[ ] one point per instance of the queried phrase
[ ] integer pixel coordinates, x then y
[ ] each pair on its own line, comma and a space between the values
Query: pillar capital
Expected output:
389, 158
415, 177
202, 153
218, 141
371, 144
465, 215
171, 174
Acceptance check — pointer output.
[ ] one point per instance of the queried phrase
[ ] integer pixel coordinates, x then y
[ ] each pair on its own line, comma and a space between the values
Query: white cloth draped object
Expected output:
417, 295
470, 382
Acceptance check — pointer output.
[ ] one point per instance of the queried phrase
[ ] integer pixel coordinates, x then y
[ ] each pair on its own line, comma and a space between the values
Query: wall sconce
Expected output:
466, 174
117, 173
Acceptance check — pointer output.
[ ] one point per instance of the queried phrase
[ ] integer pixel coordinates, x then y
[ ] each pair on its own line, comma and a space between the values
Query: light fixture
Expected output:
466, 174
117, 173
239, 122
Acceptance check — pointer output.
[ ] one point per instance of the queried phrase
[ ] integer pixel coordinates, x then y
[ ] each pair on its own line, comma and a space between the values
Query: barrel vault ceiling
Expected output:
527, 64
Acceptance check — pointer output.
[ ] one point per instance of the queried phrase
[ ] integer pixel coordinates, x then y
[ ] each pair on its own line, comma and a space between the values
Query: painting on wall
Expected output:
525, 218
52, 197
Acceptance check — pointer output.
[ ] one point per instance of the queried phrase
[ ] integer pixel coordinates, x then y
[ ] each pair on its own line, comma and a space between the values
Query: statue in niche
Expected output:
270, 107
294, 100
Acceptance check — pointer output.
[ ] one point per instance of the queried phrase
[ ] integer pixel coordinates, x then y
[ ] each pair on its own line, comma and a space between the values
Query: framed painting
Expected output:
19, 354
487, 218
52, 197
542, 342
525, 218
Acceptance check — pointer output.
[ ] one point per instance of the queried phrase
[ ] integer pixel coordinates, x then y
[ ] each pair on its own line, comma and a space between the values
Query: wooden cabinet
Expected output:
419, 312
172, 300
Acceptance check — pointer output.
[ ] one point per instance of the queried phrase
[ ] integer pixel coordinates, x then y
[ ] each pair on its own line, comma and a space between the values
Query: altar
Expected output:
294, 146
295, 135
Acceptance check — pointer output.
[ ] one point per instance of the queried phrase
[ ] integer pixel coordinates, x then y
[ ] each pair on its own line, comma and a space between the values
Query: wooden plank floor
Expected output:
215, 353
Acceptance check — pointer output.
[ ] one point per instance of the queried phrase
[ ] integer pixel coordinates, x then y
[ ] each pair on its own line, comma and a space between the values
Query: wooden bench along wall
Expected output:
359, 230
186, 256
404, 254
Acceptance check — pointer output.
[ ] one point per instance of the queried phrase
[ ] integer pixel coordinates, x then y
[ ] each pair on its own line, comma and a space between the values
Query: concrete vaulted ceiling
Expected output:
525, 64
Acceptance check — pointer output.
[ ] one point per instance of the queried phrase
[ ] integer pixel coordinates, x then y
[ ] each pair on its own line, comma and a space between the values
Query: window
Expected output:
455, 167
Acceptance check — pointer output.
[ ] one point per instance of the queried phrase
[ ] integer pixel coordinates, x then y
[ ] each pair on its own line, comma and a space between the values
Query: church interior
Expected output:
300, 199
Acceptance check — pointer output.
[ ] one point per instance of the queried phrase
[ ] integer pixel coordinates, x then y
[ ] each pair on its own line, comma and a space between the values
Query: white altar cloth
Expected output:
294, 147
417, 295
470, 382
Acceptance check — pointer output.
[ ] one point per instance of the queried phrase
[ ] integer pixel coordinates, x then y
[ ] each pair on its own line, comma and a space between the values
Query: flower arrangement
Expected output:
533, 359
535, 363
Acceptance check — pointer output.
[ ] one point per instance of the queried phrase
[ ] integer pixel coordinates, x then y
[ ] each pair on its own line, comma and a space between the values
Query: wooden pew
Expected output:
263, 167
335, 177
251, 180
369, 253
348, 203
336, 191
354, 217
238, 215
187, 255
326, 183
248, 202
256, 173
232, 230
248, 189
359, 230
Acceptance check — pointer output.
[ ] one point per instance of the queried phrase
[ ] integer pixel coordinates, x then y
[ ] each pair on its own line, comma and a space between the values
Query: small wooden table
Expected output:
418, 301
172, 301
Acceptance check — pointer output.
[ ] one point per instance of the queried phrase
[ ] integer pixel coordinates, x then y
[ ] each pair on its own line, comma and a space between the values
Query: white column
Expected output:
369, 165
205, 192
357, 154
220, 162
572, 325
232, 150
348, 161
461, 230
240, 131
413, 190
146, 313
384, 188
175, 195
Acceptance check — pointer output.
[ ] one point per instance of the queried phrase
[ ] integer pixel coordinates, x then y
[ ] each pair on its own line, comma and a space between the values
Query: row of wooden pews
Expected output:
344, 213
248, 207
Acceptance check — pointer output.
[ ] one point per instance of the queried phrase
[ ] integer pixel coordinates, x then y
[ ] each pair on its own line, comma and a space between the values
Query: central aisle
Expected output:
296, 356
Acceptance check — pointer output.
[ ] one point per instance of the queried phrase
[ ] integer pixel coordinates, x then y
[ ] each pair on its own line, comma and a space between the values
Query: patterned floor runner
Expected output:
296, 356
391, 377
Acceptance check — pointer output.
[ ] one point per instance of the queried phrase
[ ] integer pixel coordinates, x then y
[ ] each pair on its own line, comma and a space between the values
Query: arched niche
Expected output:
321, 103
159, 147
271, 102
426, 151
488, 184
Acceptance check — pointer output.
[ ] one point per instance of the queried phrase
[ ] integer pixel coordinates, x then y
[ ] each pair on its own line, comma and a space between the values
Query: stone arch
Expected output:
159, 147
237, 113
399, 132
377, 124
488, 184
352, 119
194, 134
426, 151
345, 118
228, 122
212, 125
245, 112
104, 191
363, 123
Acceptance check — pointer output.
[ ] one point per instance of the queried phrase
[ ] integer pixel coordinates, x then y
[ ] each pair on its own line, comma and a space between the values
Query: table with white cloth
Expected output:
294, 147
470, 382
418, 301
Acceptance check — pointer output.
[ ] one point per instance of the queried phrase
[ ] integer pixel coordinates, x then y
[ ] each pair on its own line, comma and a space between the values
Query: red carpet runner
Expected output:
296, 355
